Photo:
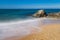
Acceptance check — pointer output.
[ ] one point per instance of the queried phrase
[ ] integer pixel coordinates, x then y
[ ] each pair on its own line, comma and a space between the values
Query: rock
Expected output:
40, 13
54, 14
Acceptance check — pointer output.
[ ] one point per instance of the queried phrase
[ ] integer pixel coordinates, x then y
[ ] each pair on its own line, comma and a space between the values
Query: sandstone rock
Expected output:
40, 13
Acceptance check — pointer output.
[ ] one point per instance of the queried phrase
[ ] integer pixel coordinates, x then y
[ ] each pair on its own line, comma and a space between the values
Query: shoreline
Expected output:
28, 20
16, 28
20, 21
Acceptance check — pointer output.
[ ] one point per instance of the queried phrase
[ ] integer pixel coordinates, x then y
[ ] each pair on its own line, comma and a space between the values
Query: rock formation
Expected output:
54, 14
40, 13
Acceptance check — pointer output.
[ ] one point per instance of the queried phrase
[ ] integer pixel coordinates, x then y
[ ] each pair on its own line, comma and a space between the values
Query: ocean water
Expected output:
22, 14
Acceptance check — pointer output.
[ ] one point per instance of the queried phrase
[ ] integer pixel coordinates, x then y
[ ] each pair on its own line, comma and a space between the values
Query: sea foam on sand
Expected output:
22, 28
19, 28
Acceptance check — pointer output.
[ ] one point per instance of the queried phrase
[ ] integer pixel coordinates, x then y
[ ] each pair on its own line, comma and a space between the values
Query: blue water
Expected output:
12, 14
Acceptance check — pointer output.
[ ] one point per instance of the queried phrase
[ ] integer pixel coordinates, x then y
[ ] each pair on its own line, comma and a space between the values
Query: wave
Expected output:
18, 28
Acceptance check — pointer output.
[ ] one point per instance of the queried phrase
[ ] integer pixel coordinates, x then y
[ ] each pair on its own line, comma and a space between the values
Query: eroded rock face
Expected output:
40, 13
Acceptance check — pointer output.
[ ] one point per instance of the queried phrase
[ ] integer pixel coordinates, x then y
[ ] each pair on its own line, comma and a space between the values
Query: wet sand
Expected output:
49, 32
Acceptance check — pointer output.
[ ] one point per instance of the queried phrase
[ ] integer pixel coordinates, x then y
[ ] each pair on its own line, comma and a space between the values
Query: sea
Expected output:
21, 14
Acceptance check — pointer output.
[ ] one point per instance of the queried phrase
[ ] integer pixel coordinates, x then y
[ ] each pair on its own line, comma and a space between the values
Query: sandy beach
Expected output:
37, 29
49, 32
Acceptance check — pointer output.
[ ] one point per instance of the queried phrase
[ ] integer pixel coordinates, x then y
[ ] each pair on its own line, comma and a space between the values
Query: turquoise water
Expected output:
12, 14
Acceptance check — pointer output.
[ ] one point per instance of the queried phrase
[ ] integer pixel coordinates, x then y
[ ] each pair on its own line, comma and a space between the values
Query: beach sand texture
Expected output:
49, 32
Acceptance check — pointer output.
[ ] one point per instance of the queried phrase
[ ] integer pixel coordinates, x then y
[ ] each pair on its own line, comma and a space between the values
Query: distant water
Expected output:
12, 14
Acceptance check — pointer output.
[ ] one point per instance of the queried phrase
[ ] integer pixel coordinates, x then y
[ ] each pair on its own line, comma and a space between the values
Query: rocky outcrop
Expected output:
54, 15
40, 13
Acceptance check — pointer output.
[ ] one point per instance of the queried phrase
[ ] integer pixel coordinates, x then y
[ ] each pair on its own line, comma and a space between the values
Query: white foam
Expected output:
21, 28
15, 28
